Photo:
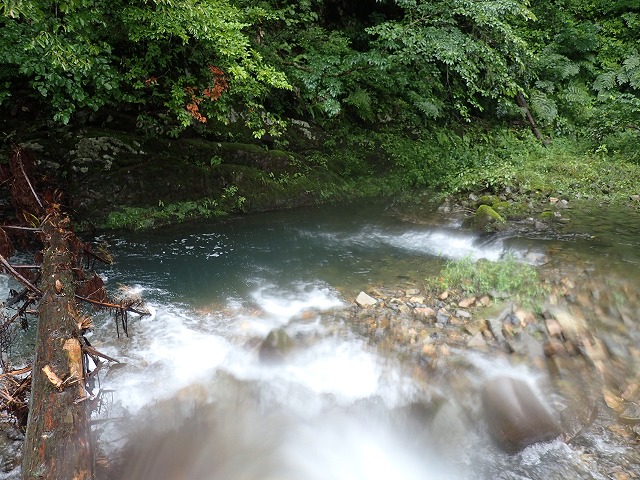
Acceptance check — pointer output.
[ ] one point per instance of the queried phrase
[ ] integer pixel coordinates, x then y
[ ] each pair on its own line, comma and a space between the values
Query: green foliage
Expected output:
470, 49
188, 58
563, 168
508, 277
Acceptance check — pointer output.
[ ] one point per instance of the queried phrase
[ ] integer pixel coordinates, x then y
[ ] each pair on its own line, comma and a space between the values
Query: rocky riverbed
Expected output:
582, 338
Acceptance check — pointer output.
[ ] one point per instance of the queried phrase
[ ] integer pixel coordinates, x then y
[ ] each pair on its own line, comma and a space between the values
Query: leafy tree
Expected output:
585, 76
189, 59
407, 61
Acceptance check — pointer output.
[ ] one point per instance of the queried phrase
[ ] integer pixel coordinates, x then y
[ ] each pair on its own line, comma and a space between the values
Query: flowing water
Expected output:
192, 398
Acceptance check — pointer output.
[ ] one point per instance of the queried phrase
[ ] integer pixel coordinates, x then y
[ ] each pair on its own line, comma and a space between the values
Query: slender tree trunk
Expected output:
525, 107
58, 442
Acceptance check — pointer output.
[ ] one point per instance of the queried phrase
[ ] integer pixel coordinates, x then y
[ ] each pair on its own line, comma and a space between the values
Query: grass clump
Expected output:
507, 277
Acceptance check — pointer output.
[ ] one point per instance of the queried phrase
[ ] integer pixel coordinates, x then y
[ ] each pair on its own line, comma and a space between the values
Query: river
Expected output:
193, 399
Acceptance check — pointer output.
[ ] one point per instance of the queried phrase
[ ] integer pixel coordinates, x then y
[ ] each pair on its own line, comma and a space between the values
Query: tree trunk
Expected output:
525, 107
58, 442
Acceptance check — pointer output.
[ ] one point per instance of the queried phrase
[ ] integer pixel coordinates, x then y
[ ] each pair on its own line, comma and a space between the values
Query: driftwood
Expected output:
58, 442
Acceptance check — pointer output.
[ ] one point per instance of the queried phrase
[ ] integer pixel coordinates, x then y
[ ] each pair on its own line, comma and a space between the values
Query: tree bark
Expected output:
58, 441
525, 107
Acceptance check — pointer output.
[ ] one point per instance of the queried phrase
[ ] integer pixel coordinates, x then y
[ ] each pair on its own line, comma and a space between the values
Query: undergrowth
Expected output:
507, 277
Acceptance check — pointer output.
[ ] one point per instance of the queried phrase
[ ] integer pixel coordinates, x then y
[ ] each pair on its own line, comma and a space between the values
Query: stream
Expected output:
197, 397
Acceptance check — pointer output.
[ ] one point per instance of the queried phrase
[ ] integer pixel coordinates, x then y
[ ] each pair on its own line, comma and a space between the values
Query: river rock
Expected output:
477, 341
486, 218
425, 311
515, 415
467, 302
365, 300
276, 346
573, 327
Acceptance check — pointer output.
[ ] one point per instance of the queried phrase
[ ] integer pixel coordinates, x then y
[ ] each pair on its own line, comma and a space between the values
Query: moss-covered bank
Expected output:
119, 178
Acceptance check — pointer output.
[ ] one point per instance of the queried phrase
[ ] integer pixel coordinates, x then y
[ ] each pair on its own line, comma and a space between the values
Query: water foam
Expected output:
446, 243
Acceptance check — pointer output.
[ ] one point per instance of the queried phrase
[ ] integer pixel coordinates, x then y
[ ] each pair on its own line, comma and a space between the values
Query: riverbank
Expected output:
118, 177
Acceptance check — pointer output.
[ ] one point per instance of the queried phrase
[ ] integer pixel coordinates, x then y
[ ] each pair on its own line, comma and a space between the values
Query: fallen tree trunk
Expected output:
58, 441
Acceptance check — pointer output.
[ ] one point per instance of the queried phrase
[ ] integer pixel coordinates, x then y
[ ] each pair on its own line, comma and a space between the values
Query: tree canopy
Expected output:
414, 62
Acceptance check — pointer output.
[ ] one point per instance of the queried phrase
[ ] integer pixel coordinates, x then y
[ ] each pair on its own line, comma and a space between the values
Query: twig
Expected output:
29, 182
16, 372
92, 351
16, 227
112, 305
19, 277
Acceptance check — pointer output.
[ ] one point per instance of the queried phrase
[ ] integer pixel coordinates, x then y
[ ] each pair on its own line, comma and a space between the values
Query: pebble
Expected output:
467, 302
365, 300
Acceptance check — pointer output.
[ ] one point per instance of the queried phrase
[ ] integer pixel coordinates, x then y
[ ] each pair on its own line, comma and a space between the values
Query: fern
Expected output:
605, 82
543, 107
360, 100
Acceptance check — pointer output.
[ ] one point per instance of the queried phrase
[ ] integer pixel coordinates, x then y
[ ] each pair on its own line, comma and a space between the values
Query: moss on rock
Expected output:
487, 219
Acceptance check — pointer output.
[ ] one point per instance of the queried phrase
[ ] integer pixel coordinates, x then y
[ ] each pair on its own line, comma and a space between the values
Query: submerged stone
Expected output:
515, 415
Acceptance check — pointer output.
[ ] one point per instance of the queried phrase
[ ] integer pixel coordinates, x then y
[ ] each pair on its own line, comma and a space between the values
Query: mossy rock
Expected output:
487, 200
487, 219
500, 206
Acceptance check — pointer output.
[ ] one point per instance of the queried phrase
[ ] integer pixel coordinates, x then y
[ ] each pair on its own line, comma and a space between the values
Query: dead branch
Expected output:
26, 178
89, 349
19, 277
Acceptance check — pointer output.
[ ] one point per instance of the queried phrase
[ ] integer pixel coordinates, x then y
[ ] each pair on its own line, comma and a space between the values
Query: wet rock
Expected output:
515, 415
449, 426
573, 327
536, 258
412, 291
594, 349
477, 341
365, 300
425, 311
474, 327
442, 317
528, 345
538, 225
553, 327
631, 414
486, 218
463, 314
485, 301
523, 317
554, 347
467, 302
276, 346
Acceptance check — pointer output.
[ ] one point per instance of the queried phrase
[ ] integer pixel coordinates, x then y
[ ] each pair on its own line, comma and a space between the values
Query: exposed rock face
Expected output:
515, 415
